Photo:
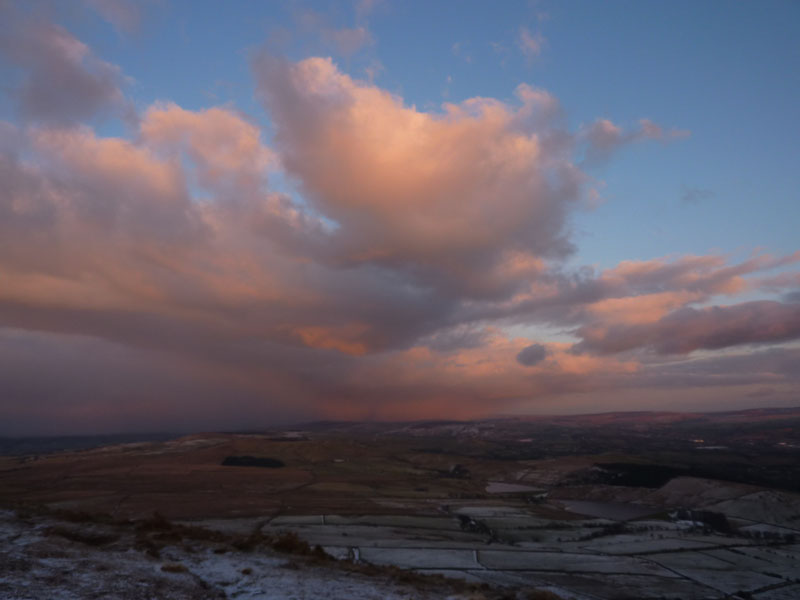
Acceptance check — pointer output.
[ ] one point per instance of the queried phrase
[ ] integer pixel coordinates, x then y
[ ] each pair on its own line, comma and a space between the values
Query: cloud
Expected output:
456, 338
471, 382
95, 385
531, 355
223, 145
530, 44
63, 82
603, 137
470, 200
346, 41
124, 15
635, 291
695, 195
387, 286
688, 329
739, 371
460, 49
138, 257
364, 8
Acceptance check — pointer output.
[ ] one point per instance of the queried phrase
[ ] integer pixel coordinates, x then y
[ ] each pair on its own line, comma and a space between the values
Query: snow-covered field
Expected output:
38, 563
592, 558
582, 559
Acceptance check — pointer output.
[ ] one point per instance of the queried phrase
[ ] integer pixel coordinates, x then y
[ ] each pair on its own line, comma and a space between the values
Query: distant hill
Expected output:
48, 444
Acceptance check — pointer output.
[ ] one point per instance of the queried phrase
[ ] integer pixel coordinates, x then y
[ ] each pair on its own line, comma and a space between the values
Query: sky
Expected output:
234, 215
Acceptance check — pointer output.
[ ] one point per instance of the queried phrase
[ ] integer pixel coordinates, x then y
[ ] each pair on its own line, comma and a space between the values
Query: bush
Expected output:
290, 543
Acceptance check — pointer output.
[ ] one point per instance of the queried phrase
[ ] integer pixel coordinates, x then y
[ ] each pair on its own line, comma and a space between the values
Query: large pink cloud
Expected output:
471, 198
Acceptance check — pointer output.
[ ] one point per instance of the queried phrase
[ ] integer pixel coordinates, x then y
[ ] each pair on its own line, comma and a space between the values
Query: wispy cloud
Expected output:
604, 138
530, 44
694, 195
346, 41
124, 15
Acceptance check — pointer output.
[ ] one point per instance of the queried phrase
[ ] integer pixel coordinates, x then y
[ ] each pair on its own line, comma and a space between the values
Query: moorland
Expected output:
607, 506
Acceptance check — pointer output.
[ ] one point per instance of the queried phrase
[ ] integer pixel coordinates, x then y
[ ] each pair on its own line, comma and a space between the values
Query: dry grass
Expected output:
173, 568
89, 538
290, 543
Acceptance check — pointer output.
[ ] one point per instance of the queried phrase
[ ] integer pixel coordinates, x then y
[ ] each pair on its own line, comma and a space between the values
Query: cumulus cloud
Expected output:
469, 200
224, 146
63, 81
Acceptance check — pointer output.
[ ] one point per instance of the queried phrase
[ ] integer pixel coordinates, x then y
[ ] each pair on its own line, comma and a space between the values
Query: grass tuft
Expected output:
173, 568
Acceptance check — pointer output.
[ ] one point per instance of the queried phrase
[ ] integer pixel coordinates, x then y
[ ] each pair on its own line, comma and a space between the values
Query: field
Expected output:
491, 509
